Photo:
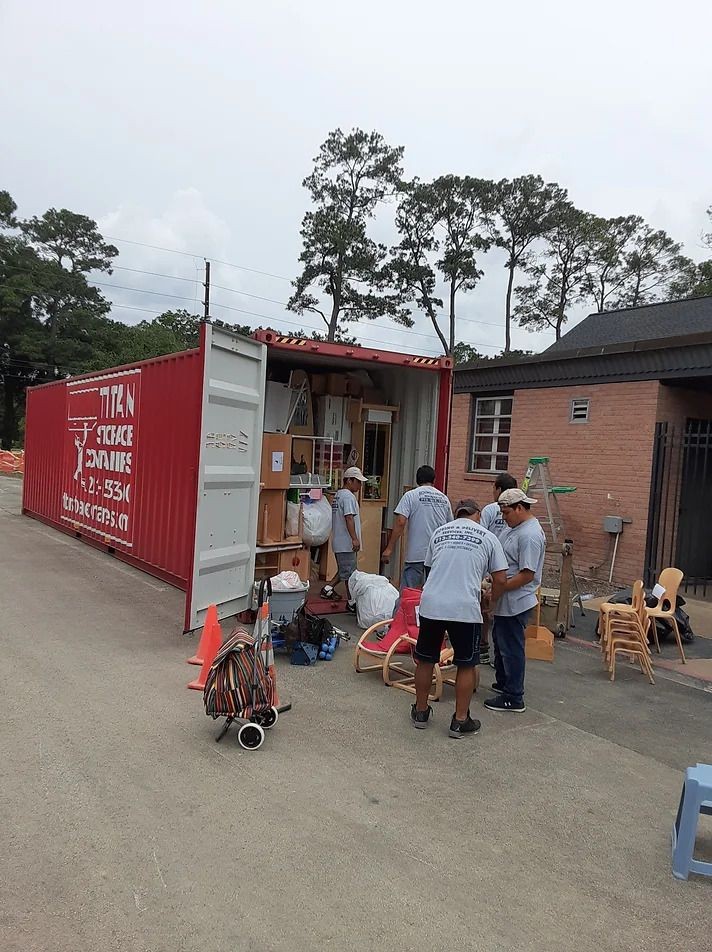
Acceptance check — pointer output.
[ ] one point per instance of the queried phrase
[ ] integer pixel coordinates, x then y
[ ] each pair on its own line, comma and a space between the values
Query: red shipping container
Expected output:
158, 462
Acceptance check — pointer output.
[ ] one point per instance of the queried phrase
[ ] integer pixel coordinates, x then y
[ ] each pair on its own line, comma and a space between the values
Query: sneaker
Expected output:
328, 592
484, 656
502, 703
420, 718
497, 689
351, 607
491, 660
463, 728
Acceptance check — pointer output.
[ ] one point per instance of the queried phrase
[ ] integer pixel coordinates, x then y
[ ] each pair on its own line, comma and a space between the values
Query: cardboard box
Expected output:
336, 385
539, 643
318, 385
373, 395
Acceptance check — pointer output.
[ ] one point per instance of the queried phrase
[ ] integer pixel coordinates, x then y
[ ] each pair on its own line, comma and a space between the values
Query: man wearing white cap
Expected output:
346, 532
524, 544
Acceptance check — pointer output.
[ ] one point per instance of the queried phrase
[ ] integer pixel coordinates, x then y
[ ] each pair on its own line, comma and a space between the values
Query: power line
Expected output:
221, 287
265, 317
187, 254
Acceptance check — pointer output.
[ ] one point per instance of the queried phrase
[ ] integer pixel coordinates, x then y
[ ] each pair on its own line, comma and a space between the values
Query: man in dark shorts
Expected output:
460, 554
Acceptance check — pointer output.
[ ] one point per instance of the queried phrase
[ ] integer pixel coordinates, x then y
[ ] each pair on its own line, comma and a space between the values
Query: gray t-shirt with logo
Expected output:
426, 509
524, 548
344, 504
491, 518
460, 554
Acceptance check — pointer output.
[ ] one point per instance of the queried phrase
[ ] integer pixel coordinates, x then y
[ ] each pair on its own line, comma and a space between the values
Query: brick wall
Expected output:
608, 459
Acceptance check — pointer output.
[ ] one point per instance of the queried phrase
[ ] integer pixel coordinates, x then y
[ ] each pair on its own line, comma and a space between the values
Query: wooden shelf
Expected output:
278, 547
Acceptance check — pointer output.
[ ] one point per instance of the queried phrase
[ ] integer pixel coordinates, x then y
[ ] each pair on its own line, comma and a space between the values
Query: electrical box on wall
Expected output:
613, 524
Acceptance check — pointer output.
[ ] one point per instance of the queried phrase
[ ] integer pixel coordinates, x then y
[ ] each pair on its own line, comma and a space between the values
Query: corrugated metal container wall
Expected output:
414, 435
113, 457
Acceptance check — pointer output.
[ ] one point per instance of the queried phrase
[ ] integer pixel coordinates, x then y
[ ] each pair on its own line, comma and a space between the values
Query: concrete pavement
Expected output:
125, 827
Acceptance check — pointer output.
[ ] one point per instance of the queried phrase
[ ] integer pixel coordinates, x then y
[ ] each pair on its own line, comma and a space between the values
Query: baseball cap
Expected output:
353, 472
511, 497
467, 507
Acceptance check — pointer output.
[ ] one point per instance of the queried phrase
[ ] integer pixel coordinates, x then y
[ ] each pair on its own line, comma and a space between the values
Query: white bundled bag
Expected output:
316, 522
375, 598
287, 582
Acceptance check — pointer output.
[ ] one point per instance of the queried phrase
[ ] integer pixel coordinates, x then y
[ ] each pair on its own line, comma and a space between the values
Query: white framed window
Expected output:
579, 410
491, 429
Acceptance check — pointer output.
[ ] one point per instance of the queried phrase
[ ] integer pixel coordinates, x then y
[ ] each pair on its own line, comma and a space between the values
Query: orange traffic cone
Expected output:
211, 622
273, 674
211, 648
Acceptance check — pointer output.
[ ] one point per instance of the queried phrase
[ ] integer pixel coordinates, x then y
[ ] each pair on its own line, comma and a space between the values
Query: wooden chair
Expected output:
609, 610
627, 633
669, 579
395, 674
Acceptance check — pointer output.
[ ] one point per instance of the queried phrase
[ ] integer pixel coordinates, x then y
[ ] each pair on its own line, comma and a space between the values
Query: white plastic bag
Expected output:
292, 522
375, 598
316, 522
287, 582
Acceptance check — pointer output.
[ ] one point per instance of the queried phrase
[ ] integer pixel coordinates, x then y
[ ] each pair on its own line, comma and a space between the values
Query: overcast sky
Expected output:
191, 125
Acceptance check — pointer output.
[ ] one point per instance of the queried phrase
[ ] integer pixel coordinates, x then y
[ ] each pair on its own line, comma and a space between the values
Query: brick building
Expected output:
622, 405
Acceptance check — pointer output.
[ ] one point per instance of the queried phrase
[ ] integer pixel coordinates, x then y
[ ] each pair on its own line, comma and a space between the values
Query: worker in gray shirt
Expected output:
422, 510
524, 545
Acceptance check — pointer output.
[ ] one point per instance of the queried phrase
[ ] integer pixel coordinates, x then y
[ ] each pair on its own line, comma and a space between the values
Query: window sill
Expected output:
484, 476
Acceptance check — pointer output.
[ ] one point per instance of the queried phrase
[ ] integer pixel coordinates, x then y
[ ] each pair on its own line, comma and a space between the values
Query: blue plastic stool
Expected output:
696, 798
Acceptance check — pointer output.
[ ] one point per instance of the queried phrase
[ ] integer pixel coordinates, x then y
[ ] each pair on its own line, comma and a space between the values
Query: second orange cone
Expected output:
210, 643
206, 636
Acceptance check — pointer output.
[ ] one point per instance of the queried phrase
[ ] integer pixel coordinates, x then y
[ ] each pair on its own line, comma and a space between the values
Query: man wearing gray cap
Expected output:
346, 533
524, 545
458, 557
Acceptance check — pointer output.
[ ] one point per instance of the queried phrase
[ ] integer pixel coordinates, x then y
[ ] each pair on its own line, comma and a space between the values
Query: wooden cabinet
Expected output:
276, 460
271, 516
369, 559
269, 563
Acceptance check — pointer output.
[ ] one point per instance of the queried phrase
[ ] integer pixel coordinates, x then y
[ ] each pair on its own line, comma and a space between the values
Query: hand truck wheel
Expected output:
250, 736
269, 718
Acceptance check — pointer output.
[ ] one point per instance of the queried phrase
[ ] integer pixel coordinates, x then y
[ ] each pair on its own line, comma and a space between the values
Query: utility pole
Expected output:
206, 285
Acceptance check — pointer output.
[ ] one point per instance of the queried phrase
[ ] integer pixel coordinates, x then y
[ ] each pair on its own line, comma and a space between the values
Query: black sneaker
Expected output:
502, 703
420, 718
497, 689
484, 656
464, 728
351, 607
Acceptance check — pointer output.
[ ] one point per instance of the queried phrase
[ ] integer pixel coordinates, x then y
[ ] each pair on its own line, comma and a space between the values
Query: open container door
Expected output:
228, 475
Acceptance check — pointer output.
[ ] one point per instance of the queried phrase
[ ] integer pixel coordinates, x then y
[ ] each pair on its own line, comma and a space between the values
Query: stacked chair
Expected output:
624, 630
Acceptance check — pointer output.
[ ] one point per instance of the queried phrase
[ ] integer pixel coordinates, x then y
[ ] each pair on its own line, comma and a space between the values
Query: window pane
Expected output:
505, 405
505, 425
503, 444
502, 463
486, 407
484, 462
483, 444
486, 425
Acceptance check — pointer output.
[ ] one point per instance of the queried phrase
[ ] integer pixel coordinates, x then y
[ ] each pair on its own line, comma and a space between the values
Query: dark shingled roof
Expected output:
651, 322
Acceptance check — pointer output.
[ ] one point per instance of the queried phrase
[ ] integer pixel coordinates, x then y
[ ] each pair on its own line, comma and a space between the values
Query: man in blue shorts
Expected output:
422, 510
459, 556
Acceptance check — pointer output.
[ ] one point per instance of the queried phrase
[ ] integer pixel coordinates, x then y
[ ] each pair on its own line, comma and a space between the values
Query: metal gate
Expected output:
680, 508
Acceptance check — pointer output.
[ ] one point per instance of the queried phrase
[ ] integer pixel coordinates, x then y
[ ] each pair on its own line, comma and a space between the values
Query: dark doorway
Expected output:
694, 539
680, 509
